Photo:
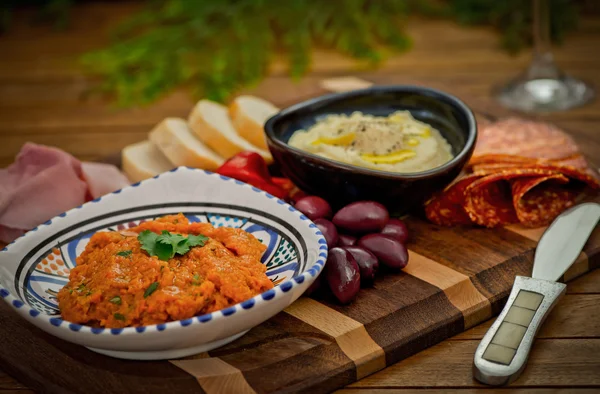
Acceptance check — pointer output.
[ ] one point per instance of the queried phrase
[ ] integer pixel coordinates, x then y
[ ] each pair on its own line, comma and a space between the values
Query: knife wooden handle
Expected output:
501, 356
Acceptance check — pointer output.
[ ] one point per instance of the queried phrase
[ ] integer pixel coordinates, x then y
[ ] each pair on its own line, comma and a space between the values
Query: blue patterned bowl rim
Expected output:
311, 271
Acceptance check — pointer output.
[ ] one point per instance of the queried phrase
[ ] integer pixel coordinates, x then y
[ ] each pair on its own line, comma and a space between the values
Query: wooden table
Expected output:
43, 99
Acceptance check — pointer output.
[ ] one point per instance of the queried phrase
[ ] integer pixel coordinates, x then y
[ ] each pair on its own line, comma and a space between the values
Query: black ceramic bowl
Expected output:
341, 183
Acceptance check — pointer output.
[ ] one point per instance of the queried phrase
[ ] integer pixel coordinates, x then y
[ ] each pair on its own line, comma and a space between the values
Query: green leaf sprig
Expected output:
119, 316
125, 253
218, 47
166, 245
151, 289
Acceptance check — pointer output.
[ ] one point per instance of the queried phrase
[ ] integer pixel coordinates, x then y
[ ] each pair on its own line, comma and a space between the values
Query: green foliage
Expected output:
217, 47
166, 245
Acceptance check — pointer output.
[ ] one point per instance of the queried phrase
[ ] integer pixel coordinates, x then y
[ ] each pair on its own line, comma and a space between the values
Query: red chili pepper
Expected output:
273, 190
251, 168
283, 183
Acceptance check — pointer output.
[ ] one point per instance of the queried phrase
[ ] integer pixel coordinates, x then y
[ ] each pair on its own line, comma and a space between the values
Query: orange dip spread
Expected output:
117, 284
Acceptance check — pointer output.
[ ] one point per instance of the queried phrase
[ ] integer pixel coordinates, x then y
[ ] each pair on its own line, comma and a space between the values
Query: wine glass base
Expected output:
544, 94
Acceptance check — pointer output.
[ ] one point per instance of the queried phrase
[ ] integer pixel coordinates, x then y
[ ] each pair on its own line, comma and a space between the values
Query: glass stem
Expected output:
542, 65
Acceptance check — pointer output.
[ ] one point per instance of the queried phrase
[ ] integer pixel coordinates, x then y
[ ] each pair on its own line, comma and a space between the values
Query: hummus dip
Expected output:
396, 143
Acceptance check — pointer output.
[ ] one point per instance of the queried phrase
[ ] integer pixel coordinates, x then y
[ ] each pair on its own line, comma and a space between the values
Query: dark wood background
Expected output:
43, 98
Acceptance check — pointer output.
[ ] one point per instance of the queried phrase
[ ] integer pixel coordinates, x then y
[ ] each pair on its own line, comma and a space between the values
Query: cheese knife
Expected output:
501, 356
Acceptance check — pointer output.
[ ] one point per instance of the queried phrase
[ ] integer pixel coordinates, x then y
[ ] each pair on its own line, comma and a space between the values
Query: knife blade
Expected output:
502, 354
562, 242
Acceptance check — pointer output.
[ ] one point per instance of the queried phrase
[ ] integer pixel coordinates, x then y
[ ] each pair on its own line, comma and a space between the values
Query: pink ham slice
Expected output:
44, 182
103, 178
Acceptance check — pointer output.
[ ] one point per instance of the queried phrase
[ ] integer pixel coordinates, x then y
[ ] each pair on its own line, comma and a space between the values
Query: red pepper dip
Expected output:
118, 283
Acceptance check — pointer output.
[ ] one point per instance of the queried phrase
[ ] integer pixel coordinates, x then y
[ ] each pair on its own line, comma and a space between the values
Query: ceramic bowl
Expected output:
36, 266
341, 183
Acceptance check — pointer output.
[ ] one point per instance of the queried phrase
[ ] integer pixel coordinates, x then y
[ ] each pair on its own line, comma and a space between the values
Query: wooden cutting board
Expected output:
455, 279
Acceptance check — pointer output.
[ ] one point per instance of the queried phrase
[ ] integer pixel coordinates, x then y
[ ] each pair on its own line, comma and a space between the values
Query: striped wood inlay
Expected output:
350, 335
458, 287
533, 234
215, 375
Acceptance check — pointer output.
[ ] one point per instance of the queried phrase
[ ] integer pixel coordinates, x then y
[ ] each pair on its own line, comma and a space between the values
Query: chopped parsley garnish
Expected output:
196, 277
166, 245
81, 287
118, 316
125, 253
151, 289
116, 300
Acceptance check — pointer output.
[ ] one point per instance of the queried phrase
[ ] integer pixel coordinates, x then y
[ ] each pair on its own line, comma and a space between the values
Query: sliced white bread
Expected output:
143, 160
212, 124
248, 115
178, 143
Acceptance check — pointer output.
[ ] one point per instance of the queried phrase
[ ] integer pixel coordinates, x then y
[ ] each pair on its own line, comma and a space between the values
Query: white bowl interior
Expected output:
36, 266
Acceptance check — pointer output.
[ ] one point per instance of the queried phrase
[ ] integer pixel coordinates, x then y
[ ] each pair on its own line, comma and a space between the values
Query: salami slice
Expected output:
497, 158
539, 200
577, 161
585, 175
498, 161
521, 171
524, 138
490, 168
482, 122
447, 207
489, 200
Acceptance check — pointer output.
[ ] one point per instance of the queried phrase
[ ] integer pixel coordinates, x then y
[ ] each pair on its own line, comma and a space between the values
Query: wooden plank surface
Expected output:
43, 99
565, 356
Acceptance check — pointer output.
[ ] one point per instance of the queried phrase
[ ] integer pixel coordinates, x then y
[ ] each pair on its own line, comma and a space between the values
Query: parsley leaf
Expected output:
196, 240
163, 251
116, 300
168, 238
182, 247
196, 281
125, 253
119, 316
148, 239
166, 245
151, 289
